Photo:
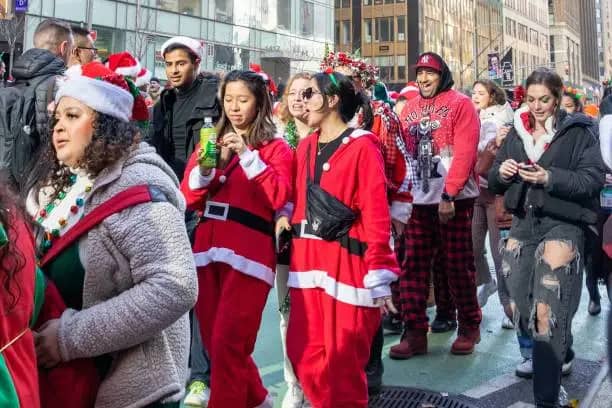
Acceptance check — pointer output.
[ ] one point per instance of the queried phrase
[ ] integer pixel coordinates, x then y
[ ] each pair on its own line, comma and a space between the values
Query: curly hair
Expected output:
496, 93
111, 141
11, 258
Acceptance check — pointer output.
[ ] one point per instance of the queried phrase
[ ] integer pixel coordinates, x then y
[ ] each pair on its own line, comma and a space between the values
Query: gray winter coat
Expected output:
140, 282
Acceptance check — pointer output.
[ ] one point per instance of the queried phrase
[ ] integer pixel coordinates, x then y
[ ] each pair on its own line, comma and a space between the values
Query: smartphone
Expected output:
527, 167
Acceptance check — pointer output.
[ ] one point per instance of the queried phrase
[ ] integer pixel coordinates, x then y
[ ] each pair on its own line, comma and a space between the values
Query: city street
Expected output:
486, 376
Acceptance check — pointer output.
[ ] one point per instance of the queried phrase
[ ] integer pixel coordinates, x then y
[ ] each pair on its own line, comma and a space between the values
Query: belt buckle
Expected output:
211, 204
304, 234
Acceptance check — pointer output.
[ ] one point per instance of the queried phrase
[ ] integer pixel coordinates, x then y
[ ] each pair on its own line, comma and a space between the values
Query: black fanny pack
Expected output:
327, 216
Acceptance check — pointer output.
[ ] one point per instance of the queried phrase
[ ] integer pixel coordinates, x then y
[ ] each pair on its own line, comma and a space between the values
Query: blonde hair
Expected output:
283, 114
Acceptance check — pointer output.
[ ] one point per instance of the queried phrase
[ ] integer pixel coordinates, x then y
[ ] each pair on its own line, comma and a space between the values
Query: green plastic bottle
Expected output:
208, 144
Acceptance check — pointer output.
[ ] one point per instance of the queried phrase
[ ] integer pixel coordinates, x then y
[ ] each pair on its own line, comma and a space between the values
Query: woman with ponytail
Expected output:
19, 385
341, 258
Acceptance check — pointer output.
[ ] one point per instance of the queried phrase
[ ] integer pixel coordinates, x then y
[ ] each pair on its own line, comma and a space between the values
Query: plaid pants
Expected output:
447, 248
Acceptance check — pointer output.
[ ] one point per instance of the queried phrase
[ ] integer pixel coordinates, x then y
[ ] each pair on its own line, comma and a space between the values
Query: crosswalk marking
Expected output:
496, 384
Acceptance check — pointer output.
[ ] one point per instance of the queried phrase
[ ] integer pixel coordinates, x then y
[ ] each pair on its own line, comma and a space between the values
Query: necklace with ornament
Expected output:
54, 232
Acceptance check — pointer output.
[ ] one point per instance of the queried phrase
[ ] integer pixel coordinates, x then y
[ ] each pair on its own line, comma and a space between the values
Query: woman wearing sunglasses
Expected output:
341, 258
234, 241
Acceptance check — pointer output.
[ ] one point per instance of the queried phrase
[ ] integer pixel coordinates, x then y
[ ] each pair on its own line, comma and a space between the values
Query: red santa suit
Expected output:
234, 253
332, 317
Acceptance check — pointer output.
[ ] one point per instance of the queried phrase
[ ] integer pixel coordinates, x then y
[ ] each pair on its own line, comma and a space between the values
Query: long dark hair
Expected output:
551, 80
111, 141
262, 128
350, 100
11, 258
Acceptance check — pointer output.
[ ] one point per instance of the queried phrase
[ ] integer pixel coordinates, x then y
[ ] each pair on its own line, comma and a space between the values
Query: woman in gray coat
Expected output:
129, 282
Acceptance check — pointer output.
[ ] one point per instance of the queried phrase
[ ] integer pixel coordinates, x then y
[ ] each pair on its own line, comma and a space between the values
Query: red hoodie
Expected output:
455, 130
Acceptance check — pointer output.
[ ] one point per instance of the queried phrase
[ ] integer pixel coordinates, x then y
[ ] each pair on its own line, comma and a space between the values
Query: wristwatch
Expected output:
449, 198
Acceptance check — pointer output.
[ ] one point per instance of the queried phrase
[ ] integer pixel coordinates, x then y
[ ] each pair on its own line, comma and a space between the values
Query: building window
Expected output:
224, 10
401, 28
337, 3
401, 67
337, 32
508, 26
367, 2
386, 67
368, 30
389, 1
384, 29
346, 3
283, 14
346, 32
308, 18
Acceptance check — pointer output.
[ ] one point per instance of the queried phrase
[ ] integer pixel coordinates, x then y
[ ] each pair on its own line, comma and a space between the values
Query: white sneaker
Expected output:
485, 291
525, 369
507, 323
198, 396
294, 397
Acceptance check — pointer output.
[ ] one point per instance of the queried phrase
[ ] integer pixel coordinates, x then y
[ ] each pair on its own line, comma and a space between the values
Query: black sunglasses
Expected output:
94, 49
308, 93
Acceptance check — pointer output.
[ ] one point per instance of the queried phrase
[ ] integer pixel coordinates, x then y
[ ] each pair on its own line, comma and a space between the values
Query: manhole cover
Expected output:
400, 397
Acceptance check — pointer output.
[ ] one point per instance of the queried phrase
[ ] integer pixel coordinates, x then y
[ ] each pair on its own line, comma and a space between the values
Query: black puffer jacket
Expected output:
577, 173
35, 63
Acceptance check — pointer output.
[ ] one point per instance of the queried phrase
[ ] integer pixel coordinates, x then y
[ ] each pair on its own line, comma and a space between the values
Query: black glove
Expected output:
605, 108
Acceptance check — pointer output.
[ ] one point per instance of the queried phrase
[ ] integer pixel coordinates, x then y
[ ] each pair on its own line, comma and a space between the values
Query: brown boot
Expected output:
466, 340
414, 342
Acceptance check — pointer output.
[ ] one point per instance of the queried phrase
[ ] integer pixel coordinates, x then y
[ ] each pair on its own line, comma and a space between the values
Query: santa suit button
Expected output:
326, 167
222, 179
345, 140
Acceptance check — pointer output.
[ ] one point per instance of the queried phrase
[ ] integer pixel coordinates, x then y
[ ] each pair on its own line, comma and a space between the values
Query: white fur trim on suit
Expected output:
99, 95
338, 290
533, 149
238, 262
252, 164
197, 181
401, 211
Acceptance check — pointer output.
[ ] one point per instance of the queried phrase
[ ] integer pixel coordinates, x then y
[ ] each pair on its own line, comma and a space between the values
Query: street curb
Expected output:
591, 396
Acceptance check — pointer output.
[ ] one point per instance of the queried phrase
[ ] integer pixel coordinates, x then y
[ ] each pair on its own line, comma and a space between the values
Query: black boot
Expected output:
375, 369
443, 325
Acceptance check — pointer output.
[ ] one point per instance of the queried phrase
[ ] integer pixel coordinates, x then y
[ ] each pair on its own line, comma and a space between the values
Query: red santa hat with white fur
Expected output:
269, 81
124, 63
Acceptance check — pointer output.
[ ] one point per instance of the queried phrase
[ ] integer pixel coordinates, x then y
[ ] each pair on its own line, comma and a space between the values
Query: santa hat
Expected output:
104, 91
191, 44
124, 63
269, 81
393, 95
410, 91
143, 78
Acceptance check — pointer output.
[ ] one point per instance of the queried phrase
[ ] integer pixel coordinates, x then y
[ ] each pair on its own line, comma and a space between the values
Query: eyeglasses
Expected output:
93, 49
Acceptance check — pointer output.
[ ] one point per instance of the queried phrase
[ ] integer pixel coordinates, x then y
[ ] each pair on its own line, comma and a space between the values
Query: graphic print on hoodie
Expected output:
455, 131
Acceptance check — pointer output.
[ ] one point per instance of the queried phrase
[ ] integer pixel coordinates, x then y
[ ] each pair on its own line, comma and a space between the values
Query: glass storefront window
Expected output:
189, 7
109, 41
224, 10
70, 10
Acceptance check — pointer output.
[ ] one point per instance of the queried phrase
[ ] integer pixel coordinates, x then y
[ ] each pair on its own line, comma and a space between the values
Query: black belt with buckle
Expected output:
224, 212
354, 246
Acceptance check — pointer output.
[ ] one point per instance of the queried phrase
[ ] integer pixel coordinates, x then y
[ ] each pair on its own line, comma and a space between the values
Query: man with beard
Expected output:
443, 137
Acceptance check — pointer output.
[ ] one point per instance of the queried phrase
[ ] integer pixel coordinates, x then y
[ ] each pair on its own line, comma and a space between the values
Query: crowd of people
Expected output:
137, 261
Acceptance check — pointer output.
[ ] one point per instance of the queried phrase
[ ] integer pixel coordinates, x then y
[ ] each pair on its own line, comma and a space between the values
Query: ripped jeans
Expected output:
543, 270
